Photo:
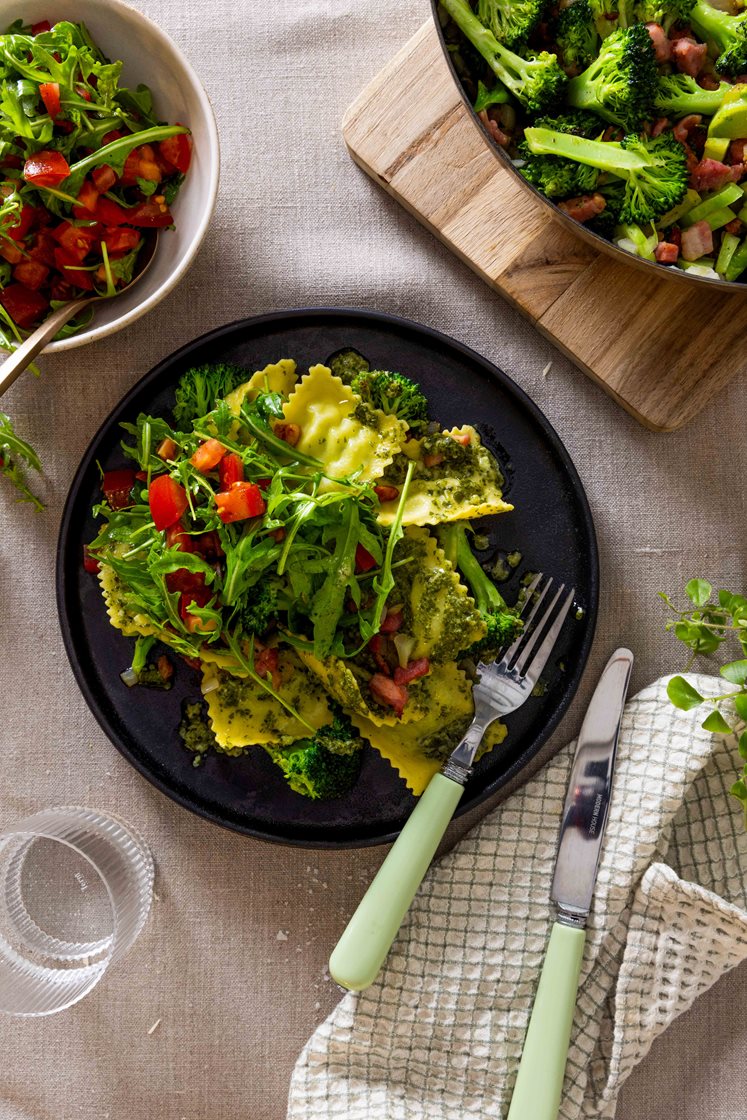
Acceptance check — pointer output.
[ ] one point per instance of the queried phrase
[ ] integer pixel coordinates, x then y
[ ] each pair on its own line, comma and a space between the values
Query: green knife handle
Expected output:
539, 1084
361, 951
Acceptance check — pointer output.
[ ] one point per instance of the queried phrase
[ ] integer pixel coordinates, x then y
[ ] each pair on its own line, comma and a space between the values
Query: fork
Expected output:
502, 687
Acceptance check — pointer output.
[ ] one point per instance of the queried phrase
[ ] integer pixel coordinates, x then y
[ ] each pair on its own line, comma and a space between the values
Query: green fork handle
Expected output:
539, 1083
361, 951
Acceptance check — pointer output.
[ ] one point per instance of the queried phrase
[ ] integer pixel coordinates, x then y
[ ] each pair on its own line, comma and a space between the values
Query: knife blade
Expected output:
539, 1082
589, 792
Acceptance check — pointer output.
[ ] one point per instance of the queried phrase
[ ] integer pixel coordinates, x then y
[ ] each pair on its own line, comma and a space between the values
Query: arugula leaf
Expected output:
329, 601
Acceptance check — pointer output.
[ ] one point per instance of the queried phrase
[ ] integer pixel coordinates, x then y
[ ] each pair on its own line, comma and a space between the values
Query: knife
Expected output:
539, 1083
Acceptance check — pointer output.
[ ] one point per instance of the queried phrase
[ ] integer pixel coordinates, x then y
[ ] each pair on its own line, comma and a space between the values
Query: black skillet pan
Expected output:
601, 244
551, 528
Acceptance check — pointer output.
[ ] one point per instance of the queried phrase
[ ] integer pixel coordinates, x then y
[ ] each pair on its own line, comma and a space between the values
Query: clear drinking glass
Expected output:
75, 890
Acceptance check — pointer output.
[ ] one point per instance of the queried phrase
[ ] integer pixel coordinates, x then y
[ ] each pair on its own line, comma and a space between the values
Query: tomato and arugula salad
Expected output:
86, 169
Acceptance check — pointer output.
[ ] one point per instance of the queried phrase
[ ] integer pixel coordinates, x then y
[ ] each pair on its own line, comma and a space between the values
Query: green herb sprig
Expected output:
704, 627
13, 452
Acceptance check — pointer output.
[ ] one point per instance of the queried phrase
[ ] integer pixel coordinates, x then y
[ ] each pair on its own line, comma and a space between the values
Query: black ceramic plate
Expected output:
551, 527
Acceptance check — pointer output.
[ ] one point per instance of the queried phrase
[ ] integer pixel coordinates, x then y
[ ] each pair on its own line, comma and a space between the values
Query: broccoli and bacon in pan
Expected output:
630, 115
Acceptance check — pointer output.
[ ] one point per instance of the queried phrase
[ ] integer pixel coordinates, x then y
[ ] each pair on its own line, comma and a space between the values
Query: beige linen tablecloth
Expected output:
232, 959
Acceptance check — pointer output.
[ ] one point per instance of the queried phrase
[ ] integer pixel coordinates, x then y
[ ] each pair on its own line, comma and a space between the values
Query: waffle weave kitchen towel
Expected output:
440, 1034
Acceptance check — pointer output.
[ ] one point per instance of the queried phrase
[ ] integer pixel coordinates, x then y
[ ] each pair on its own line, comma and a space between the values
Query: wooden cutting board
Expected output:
661, 349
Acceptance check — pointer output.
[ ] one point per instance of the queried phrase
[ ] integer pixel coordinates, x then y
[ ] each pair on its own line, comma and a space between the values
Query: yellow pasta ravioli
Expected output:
440, 617
132, 625
447, 492
347, 437
277, 377
344, 686
418, 750
244, 714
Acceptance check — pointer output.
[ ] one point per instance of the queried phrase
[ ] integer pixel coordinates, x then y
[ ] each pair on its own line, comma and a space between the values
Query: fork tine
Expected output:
539, 660
512, 649
534, 636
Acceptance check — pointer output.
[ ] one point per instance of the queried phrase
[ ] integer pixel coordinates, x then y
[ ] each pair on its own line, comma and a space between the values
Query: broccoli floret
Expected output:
537, 81
726, 32
200, 388
620, 84
322, 767
678, 95
501, 621
654, 171
258, 612
392, 393
561, 178
511, 21
605, 16
576, 34
664, 12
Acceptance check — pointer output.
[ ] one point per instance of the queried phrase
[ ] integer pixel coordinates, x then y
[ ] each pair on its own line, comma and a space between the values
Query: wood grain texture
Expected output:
647, 341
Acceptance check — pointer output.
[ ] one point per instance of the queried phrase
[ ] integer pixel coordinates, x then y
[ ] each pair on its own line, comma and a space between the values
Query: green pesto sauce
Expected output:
366, 415
347, 363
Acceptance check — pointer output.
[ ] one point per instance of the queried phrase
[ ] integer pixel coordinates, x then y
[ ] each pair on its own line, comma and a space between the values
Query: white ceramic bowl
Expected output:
150, 57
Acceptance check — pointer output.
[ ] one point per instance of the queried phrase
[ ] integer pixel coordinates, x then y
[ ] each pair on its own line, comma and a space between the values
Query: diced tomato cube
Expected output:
26, 220
61, 290
10, 252
83, 92
42, 25
46, 169
50, 95
177, 150
111, 213
208, 455
266, 663
24, 305
31, 273
230, 470
167, 500
42, 247
241, 501
77, 241
90, 563
155, 215
364, 561
200, 597
69, 266
184, 580
104, 178
88, 198
117, 486
110, 137
166, 449
208, 545
178, 537
120, 240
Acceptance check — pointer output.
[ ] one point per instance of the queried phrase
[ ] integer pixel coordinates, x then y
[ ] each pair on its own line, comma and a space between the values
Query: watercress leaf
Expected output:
699, 591
740, 703
739, 790
743, 744
724, 597
683, 695
716, 723
735, 672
